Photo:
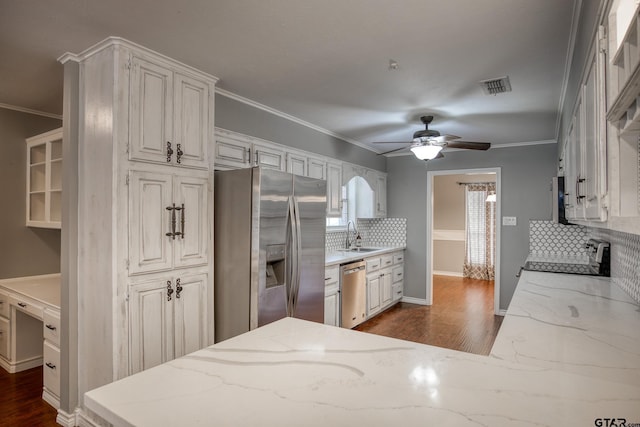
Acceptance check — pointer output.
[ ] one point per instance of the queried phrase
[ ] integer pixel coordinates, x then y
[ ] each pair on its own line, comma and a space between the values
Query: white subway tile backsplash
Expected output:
547, 238
374, 232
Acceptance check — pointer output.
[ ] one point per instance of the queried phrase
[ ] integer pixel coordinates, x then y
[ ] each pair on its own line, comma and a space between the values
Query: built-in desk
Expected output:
30, 328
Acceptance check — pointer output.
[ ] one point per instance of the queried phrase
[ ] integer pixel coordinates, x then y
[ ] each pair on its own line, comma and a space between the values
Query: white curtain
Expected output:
480, 245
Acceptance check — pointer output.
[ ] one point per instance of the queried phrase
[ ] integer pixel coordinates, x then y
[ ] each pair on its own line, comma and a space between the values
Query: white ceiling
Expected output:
325, 62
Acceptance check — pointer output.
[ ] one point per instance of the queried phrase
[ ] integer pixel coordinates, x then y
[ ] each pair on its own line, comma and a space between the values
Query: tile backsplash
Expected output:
549, 238
374, 232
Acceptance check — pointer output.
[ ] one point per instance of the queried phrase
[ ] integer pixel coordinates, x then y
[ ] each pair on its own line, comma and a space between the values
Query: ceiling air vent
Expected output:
496, 86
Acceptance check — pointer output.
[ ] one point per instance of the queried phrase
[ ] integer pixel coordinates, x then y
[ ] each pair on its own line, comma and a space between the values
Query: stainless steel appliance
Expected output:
353, 294
269, 243
599, 262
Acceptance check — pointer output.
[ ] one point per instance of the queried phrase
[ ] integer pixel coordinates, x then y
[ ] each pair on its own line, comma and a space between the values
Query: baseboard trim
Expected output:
502, 313
412, 300
448, 273
50, 398
23, 365
65, 419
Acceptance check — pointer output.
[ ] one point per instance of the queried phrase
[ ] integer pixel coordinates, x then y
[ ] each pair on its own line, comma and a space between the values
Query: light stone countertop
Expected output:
298, 373
341, 257
572, 323
43, 288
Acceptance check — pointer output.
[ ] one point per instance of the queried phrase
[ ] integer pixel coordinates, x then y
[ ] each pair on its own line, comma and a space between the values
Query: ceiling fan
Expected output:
427, 144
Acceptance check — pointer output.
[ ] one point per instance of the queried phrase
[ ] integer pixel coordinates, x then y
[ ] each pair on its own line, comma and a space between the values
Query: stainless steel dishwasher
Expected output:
353, 294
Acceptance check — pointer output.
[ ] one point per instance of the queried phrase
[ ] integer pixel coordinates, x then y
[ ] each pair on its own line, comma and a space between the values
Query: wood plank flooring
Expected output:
461, 317
21, 401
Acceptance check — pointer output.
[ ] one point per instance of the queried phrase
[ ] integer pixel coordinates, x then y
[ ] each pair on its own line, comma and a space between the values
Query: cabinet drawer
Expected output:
398, 273
373, 264
51, 368
26, 305
398, 258
51, 323
4, 304
331, 275
5, 330
397, 290
331, 289
386, 261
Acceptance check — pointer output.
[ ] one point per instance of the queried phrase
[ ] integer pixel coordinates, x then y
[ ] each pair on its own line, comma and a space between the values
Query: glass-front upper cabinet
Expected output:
44, 180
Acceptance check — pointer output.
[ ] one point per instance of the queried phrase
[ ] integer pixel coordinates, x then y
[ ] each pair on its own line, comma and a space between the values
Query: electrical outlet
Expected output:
509, 220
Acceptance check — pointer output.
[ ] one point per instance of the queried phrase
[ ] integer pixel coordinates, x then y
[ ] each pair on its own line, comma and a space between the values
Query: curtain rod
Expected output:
470, 183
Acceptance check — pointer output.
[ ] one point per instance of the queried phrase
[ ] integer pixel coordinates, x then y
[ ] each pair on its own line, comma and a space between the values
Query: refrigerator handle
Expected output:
298, 253
290, 288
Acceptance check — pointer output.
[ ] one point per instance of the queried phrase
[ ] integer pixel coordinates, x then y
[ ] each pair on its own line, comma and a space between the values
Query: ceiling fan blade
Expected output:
393, 151
469, 145
392, 142
444, 138
439, 156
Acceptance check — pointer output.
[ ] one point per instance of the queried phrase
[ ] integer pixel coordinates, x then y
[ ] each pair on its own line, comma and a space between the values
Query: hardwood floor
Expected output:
461, 317
21, 401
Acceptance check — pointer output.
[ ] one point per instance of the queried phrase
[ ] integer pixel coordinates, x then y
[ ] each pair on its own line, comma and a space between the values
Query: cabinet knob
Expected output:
169, 152
169, 290
179, 153
50, 327
23, 305
50, 365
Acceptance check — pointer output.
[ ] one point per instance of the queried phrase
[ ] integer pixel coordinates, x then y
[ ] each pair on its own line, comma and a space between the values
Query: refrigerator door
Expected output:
271, 235
310, 200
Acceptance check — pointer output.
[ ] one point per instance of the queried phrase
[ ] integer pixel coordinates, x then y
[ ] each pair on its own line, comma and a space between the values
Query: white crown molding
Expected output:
30, 111
289, 117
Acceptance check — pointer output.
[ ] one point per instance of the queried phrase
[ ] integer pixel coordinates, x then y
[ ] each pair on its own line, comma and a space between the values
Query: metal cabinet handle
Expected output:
23, 305
257, 158
178, 288
50, 365
179, 153
182, 221
172, 233
50, 327
169, 290
169, 152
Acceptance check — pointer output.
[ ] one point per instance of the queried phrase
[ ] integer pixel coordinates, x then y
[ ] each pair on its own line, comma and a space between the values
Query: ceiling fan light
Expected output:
426, 152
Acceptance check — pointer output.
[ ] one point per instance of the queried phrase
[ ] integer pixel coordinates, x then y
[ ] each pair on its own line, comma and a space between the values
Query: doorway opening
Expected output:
448, 231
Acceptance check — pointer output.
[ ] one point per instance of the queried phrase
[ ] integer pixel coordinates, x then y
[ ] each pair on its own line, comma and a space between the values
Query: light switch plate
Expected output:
509, 220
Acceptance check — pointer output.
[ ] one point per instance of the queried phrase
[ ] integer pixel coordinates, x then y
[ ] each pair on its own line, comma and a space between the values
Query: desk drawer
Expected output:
4, 304
51, 368
51, 323
27, 305
5, 330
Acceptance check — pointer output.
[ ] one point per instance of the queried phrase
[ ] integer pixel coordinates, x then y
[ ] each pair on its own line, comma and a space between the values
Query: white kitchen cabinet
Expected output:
231, 153
386, 284
4, 337
51, 374
373, 294
269, 157
168, 319
584, 154
332, 296
297, 164
334, 189
380, 191
44, 180
141, 218
169, 114
316, 168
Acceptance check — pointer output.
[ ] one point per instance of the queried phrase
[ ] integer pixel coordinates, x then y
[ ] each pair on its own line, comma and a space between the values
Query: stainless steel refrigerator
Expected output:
269, 245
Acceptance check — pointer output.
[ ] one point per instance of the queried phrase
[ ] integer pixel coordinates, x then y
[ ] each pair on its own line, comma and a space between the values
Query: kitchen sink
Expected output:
362, 250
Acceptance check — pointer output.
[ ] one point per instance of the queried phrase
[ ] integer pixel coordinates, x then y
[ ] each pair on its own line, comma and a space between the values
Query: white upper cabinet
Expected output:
269, 157
297, 164
334, 189
316, 168
169, 115
381, 195
44, 180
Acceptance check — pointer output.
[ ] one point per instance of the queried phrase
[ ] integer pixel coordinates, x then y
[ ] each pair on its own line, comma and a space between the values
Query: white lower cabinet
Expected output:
167, 319
4, 338
373, 294
386, 281
51, 374
332, 296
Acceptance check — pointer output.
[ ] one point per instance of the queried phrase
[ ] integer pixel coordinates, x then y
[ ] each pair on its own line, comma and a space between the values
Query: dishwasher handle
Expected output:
354, 270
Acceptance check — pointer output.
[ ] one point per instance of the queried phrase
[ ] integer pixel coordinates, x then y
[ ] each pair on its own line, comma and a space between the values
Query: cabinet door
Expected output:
151, 324
332, 305
573, 164
381, 196
190, 194
386, 283
268, 158
150, 249
191, 121
334, 189
4, 338
373, 291
151, 111
231, 153
296, 164
190, 321
316, 168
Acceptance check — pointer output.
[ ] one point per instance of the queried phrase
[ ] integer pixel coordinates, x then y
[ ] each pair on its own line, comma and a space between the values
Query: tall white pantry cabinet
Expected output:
145, 214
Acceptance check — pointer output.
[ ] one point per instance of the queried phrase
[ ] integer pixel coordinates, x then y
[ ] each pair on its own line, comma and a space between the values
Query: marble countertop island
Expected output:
298, 373
572, 323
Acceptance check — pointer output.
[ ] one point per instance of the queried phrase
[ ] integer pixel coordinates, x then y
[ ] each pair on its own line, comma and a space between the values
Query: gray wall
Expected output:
26, 251
240, 117
526, 177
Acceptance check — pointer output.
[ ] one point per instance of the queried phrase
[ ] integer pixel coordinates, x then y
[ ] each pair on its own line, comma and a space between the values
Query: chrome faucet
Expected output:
347, 243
